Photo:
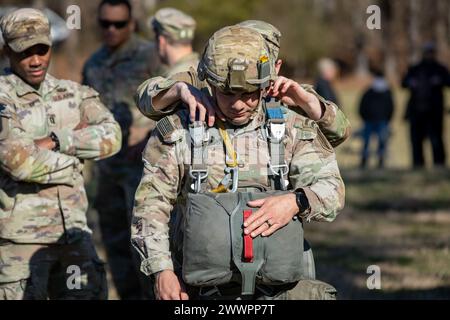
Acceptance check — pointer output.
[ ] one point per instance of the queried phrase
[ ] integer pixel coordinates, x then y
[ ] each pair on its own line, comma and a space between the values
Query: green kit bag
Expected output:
213, 246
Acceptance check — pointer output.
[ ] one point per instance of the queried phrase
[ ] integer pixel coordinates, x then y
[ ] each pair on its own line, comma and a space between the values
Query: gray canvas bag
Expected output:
213, 245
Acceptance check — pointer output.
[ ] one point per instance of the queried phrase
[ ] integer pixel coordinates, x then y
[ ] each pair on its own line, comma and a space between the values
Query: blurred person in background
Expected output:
174, 31
115, 71
376, 109
425, 110
328, 72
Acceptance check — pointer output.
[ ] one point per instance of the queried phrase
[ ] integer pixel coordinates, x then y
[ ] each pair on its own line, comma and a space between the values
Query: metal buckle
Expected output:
198, 176
234, 172
277, 131
198, 133
275, 169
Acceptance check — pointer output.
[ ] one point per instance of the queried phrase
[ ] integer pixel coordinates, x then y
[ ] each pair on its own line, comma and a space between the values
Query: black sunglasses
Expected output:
105, 24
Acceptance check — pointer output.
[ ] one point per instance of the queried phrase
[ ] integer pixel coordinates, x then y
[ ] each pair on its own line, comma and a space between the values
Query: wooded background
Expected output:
311, 29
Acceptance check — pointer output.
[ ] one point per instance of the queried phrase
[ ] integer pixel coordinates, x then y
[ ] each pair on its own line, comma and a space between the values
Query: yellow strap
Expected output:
230, 152
220, 189
228, 145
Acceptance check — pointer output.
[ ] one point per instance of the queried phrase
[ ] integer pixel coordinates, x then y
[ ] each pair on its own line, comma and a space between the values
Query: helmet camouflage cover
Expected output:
236, 59
271, 34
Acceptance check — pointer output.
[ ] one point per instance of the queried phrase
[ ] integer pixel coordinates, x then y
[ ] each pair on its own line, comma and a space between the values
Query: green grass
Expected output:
404, 232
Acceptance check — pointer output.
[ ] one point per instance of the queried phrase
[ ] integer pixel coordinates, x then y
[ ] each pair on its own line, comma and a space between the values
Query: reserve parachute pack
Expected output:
215, 249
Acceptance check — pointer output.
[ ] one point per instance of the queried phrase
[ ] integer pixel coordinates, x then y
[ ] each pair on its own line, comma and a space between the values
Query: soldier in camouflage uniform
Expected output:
333, 122
336, 129
48, 128
115, 71
313, 169
174, 31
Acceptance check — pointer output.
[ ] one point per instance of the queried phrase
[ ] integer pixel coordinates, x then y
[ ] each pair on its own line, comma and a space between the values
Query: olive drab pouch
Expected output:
215, 250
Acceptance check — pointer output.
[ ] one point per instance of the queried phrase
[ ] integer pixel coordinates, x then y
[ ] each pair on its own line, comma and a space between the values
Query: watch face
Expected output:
302, 201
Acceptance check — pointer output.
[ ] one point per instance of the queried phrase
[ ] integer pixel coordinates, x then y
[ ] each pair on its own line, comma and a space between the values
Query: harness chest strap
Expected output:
198, 169
278, 168
275, 131
231, 160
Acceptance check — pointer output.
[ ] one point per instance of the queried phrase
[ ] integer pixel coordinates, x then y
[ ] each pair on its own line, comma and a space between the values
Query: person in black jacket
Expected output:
376, 110
328, 72
425, 110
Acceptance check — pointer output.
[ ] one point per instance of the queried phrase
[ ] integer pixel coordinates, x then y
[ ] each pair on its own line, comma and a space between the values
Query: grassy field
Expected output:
396, 219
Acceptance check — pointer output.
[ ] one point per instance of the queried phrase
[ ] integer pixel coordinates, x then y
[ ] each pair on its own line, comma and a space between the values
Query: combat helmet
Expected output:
236, 59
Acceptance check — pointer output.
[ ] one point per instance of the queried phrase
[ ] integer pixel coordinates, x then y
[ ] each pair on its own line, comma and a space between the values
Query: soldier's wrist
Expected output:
302, 201
65, 138
55, 140
155, 275
314, 108
179, 87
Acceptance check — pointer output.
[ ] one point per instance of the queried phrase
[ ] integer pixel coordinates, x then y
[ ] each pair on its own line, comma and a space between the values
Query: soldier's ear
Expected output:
162, 41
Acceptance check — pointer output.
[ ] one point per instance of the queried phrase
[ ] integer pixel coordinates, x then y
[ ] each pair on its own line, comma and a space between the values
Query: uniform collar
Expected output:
22, 88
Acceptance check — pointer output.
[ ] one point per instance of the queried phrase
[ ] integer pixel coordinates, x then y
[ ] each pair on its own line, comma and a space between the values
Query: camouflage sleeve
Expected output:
314, 169
154, 200
24, 161
152, 87
101, 139
334, 124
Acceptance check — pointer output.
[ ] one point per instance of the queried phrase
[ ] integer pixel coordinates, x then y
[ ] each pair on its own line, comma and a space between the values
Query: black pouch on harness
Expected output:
213, 244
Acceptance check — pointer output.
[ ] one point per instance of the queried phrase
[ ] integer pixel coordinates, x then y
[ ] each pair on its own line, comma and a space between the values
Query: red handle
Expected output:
248, 241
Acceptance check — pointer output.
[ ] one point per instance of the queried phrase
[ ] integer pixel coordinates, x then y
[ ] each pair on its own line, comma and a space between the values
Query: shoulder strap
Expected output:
275, 131
198, 169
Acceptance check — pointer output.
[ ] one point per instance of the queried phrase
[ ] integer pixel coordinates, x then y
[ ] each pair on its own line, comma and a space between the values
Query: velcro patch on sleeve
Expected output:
306, 129
167, 129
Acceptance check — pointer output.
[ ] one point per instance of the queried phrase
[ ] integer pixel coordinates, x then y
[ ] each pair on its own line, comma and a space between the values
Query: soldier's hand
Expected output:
45, 143
292, 94
169, 287
275, 212
198, 102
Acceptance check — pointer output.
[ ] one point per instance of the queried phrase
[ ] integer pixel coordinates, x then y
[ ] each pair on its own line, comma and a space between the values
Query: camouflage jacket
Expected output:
165, 181
334, 124
116, 76
42, 195
183, 65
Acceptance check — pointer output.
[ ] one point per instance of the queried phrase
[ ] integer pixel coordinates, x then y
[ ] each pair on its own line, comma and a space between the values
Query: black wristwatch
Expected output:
55, 140
302, 201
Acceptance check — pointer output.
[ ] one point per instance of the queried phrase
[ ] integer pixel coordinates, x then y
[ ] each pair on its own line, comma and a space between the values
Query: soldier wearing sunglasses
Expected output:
115, 70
